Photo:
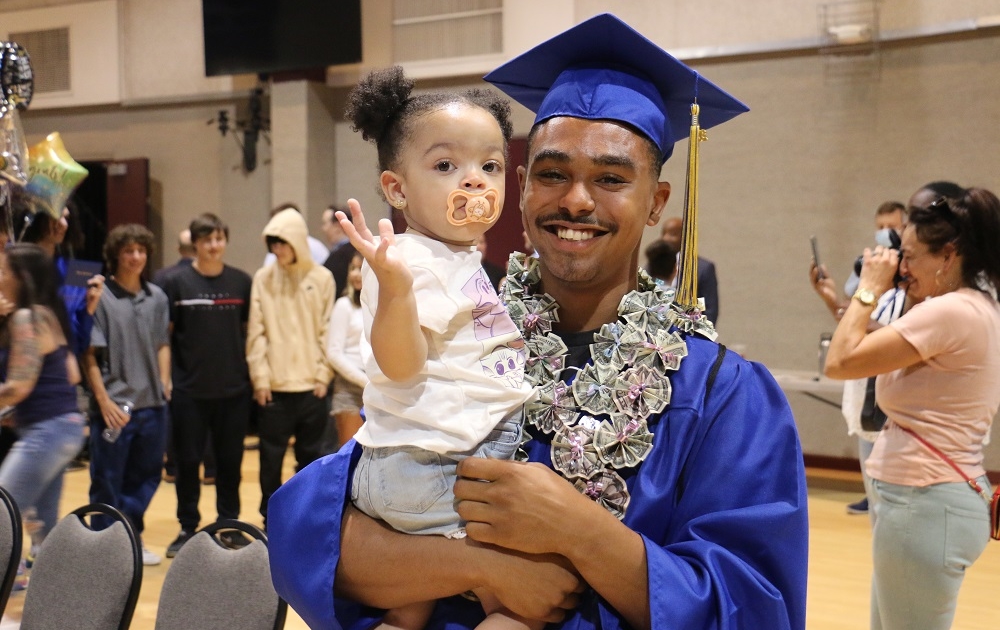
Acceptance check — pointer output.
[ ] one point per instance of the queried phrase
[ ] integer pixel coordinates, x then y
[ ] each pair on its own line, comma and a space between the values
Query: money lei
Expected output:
598, 424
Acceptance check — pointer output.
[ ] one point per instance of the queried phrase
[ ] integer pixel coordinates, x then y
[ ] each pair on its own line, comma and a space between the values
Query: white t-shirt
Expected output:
949, 399
343, 341
474, 374
889, 309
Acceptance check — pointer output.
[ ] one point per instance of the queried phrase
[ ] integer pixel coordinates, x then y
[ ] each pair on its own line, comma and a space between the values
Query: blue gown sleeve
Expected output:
303, 530
734, 550
81, 323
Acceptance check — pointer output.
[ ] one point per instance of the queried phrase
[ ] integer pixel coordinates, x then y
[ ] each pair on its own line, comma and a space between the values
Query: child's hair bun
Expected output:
376, 100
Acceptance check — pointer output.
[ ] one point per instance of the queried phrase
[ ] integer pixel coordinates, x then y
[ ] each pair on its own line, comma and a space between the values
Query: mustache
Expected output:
584, 221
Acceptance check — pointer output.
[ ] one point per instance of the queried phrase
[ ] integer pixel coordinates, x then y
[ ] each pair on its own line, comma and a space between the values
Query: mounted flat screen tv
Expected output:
267, 36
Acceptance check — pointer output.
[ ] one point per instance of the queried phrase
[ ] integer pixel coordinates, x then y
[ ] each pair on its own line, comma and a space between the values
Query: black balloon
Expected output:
17, 81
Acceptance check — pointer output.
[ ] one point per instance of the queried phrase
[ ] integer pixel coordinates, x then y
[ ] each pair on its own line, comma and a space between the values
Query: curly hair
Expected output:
121, 236
382, 108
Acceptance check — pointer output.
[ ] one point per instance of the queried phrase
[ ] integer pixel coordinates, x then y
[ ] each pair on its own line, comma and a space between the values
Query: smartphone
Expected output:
820, 275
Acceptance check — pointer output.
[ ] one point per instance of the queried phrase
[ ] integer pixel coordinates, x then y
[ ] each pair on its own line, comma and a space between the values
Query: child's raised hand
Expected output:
390, 269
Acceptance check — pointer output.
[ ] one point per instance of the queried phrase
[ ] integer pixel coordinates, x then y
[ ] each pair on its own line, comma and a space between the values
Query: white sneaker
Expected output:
149, 558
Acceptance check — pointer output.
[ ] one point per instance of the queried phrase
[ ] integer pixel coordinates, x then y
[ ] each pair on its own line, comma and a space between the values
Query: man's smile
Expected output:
571, 234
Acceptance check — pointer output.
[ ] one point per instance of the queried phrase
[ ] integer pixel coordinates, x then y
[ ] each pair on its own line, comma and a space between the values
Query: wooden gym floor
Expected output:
839, 566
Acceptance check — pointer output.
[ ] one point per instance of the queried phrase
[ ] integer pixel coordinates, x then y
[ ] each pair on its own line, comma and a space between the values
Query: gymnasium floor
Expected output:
840, 561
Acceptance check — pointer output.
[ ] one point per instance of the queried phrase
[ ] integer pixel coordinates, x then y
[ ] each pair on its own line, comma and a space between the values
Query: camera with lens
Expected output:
894, 243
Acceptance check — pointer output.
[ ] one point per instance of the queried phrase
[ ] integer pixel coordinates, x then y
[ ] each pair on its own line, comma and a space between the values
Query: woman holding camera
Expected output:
938, 367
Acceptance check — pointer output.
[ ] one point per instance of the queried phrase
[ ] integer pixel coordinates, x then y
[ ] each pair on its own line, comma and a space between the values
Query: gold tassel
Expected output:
687, 283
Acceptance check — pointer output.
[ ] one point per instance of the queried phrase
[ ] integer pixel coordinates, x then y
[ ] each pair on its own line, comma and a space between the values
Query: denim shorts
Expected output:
412, 489
346, 396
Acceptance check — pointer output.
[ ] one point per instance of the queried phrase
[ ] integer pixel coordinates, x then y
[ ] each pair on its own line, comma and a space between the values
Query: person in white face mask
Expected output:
890, 219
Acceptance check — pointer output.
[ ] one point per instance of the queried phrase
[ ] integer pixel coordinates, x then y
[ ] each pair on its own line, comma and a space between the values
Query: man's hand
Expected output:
526, 507
262, 396
541, 587
531, 508
319, 391
113, 415
95, 287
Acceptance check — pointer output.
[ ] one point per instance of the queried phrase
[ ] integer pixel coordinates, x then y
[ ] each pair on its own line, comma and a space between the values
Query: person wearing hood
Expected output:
290, 305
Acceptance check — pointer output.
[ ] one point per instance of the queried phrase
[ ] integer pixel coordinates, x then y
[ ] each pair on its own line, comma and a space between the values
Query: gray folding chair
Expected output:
84, 578
212, 587
10, 545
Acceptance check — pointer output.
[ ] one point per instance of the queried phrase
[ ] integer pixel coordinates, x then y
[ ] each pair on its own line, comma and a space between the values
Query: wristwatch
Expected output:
866, 297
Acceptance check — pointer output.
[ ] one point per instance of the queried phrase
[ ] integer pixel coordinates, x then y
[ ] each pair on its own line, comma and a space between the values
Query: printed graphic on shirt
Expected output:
219, 299
507, 366
504, 361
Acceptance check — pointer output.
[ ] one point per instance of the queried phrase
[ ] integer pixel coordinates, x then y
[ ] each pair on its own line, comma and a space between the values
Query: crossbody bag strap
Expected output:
972, 482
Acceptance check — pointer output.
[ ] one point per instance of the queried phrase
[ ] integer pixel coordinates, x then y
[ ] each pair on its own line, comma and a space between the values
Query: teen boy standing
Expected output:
128, 367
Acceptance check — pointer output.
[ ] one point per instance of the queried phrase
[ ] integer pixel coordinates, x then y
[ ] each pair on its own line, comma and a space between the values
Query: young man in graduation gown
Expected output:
664, 492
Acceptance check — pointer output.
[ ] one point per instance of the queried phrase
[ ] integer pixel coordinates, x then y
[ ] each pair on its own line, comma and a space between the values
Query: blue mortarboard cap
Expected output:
604, 69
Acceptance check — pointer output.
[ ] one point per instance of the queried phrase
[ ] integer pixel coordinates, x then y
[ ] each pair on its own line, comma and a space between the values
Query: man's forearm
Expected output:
384, 568
611, 558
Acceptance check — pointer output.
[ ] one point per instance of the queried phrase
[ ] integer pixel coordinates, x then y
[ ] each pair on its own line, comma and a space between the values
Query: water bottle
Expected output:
824, 347
111, 434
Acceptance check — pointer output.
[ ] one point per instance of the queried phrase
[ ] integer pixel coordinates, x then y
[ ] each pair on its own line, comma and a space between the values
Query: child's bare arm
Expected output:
398, 343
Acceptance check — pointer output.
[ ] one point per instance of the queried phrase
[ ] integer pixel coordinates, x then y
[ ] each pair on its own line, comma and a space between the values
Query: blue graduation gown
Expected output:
720, 503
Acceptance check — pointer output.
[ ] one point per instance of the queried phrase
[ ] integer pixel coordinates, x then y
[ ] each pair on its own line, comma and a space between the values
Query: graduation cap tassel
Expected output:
687, 283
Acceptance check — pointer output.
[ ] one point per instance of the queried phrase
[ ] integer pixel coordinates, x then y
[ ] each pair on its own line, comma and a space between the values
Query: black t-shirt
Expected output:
208, 344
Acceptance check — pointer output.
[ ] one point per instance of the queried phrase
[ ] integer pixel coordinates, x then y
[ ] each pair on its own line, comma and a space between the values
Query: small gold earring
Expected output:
400, 203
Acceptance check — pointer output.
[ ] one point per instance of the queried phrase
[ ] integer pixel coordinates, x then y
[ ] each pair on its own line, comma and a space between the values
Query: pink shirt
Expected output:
949, 399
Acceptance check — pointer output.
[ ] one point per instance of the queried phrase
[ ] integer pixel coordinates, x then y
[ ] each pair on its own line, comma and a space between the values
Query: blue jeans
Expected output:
33, 470
125, 473
864, 450
924, 540
413, 490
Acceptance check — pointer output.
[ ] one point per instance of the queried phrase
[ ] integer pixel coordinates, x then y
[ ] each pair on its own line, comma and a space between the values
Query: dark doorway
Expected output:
115, 192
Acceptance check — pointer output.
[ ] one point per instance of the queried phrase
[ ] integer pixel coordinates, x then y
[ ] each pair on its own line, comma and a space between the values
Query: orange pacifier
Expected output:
473, 206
